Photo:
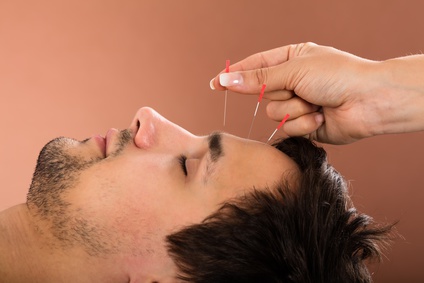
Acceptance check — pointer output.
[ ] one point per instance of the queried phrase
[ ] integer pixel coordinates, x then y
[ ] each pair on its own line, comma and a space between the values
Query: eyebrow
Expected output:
215, 146
215, 153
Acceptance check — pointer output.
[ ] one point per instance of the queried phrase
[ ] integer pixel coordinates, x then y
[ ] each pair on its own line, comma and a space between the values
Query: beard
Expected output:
57, 171
59, 165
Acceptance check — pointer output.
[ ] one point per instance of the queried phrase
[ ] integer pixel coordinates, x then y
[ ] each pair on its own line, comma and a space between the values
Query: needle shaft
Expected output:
225, 106
253, 120
279, 126
257, 107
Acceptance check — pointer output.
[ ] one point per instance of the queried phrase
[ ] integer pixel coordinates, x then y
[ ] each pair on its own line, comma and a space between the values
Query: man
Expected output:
154, 203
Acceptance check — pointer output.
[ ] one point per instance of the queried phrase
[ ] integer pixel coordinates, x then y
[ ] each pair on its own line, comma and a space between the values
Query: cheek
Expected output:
136, 197
119, 186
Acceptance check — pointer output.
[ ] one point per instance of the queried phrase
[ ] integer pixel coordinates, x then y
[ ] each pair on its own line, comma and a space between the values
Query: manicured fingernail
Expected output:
319, 119
230, 79
211, 84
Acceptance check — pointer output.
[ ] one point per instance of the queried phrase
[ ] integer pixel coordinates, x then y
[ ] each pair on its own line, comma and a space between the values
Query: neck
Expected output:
28, 254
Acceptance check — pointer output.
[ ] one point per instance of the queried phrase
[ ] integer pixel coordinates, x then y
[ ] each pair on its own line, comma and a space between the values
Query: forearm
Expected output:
399, 102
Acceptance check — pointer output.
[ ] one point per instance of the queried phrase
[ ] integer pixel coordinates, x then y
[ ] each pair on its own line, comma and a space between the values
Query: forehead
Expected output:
255, 163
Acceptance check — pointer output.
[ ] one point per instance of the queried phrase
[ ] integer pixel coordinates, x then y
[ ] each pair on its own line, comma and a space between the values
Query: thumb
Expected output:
250, 82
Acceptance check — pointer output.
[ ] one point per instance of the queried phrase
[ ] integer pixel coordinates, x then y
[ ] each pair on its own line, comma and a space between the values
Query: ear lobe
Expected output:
156, 269
168, 274
156, 279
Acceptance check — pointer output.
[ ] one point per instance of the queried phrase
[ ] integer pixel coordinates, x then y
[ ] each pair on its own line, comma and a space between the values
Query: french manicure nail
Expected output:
211, 84
230, 79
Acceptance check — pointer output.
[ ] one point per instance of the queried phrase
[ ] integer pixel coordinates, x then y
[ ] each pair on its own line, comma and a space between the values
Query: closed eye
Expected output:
182, 160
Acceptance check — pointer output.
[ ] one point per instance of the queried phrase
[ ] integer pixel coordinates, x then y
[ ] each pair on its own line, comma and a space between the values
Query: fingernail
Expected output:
211, 84
230, 79
319, 119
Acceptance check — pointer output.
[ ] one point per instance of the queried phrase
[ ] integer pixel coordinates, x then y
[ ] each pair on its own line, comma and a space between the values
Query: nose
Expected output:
151, 129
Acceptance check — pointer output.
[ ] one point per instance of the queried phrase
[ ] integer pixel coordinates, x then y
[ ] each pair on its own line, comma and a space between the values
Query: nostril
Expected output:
144, 134
144, 127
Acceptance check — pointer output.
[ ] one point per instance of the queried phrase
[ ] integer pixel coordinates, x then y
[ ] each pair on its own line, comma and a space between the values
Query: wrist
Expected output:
399, 97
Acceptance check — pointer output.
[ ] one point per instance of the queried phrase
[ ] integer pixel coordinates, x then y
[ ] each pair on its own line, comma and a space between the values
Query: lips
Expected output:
106, 143
101, 142
110, 135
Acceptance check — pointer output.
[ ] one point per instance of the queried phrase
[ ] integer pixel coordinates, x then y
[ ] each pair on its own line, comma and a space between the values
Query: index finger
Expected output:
261, 60
264, 59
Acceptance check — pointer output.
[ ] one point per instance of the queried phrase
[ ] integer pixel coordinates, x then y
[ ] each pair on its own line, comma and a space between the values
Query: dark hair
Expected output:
310, 233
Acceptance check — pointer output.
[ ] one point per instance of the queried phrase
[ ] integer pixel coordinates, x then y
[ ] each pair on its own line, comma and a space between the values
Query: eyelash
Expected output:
182, 159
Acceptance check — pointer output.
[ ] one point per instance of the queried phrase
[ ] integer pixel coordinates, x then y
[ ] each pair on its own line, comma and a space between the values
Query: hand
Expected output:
330, 95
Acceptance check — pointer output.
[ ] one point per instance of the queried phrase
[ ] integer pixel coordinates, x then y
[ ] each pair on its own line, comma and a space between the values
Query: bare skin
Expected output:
101, 208
333, 96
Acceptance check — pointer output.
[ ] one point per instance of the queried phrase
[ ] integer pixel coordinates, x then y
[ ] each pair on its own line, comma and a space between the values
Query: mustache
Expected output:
124, 138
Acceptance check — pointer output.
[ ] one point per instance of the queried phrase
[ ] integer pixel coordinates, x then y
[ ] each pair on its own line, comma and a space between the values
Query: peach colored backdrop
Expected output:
77, 68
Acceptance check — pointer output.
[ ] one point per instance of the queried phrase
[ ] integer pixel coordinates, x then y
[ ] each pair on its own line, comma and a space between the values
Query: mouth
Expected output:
113, 142
110, 140
102, 144
105, 143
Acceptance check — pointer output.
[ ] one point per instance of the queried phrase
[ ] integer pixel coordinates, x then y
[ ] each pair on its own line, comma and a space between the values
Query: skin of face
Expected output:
134, 191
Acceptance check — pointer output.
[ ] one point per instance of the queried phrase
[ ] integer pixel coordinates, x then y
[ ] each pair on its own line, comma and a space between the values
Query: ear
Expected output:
156, 270
155, 279
168, 280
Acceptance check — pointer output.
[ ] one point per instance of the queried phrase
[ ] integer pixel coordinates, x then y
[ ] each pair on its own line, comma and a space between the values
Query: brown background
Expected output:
77, 68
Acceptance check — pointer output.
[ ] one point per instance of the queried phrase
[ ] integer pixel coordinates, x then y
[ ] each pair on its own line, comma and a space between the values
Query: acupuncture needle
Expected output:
227, 70
279, 126
256, 110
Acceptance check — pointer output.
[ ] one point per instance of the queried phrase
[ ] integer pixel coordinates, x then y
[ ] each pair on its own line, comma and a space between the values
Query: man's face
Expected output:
124, 193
